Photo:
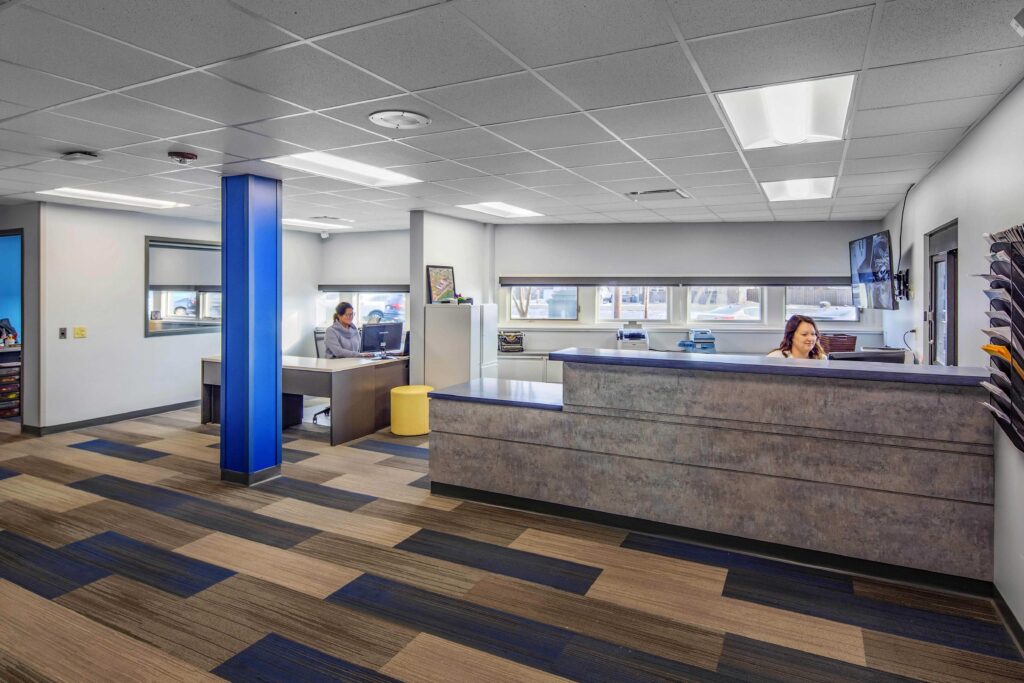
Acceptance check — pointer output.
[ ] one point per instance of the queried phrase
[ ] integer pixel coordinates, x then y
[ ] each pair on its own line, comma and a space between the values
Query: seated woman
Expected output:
800, 340
342, 339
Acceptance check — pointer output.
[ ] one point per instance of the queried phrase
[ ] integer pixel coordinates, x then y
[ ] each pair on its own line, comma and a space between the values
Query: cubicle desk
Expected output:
359, 390
886, 463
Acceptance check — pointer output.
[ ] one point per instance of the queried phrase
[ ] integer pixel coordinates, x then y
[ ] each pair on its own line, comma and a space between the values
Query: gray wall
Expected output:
365, 258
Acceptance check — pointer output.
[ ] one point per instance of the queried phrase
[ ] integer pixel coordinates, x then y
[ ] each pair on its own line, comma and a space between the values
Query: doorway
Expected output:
941, 315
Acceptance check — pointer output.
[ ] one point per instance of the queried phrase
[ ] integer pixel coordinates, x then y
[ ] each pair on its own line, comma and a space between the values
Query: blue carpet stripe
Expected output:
422, 483
561, 574
119, 450
548, 648
4, 474
943, 629
45, 571
153, 566
204, 513
315, 493
296, 455
275, 659
393, 449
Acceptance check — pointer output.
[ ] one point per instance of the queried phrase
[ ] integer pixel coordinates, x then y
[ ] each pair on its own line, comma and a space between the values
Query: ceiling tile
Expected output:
747, 188
568, 129
656, 73
478, 185
386, 154
589, 155
812, 153
91, 136
438, 170
539, 31
9, 109
543, 179
142, 117
144, 184
867, 200
241, 144
892, 163
708, 163
517, 162
639, 184
744, 202
907, 143
871, 190
627, 171
321, 184
417, 52
875, 179
497, 100
769, 173
710, 179
683, 144
42, 42
313, 131
37, 89
39, 180
576, 190
706, 18
128, 164
158, 150
988, 73
660, 118
11, 141
200, 176
461, 144
213, 98
90, 172
16, 159
367, 194
915, 30
818, 46
310, 18
196, 32
913, 118
305, 76
358, 115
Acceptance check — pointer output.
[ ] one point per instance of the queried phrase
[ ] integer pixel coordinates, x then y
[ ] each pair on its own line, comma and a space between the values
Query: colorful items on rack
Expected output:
1005, 332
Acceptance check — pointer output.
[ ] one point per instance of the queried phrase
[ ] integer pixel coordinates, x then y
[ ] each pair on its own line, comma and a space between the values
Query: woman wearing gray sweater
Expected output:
343, 339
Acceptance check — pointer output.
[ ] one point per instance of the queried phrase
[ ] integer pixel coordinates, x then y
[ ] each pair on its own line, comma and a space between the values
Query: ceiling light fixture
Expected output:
799, 189
330, 166
791, 113
110, 198
79, 157
500, 209
400, 120
319, 225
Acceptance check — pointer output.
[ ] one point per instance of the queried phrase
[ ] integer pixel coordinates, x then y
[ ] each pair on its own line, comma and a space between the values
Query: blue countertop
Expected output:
762, 365
506, 392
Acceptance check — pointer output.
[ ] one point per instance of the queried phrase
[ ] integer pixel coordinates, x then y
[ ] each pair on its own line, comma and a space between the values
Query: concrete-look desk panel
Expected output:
359, 390
875, 468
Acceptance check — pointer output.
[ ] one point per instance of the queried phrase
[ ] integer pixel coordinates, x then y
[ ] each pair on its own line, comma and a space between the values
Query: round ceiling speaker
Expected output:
401, 120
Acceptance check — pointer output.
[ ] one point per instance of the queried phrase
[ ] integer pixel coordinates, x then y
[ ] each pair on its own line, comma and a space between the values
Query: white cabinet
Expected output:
532, 368
460, 343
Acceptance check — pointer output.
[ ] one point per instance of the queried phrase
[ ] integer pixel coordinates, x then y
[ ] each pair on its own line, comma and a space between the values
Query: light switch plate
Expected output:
79, 332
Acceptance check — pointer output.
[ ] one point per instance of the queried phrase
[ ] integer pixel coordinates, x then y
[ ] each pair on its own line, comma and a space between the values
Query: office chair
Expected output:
319, 341
838, 342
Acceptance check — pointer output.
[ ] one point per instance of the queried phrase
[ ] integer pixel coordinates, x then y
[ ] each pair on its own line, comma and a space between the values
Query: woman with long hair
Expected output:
800, 340
343, 339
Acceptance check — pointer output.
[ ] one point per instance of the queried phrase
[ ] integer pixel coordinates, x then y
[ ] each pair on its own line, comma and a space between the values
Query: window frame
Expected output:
352, 292
151, 241
785, 305
688, 321
668, 304
574, 319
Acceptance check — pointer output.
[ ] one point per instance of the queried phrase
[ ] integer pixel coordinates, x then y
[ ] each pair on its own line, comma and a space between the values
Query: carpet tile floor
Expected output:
124, 558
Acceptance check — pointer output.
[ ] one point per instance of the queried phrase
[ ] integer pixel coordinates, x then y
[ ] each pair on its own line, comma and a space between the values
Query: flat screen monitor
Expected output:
871, 271
897, 356
388, 333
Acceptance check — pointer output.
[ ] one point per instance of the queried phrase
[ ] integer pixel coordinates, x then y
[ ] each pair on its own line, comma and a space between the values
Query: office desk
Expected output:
359, 390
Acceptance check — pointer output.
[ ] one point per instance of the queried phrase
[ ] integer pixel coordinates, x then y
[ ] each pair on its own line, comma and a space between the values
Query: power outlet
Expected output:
62, 333
79, 332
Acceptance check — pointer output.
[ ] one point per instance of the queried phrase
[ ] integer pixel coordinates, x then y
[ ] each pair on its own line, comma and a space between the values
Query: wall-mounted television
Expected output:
871, 271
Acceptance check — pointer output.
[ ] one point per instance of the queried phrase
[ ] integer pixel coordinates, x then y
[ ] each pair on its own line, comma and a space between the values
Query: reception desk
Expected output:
882, 463
359, 390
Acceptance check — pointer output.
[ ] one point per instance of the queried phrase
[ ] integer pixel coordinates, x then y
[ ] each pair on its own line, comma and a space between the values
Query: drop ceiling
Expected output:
557, 106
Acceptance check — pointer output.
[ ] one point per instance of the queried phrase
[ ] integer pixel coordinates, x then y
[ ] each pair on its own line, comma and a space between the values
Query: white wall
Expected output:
27, 218
981, 185
365, 258
300, 267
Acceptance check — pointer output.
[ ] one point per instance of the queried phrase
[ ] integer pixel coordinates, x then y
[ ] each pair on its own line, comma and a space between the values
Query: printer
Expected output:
699, 341
633, 337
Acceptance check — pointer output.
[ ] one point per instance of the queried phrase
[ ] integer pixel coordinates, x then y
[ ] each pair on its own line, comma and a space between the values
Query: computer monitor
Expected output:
382, 337
896, 356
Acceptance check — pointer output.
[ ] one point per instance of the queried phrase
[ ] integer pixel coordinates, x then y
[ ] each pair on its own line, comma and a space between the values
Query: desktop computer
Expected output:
382, 339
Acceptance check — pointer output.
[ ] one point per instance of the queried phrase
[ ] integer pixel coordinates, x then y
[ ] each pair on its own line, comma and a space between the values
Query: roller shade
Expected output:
364, 288
672, 281
183, 265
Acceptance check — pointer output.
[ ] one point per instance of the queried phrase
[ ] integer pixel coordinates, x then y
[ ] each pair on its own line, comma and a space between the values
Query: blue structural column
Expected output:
250, 400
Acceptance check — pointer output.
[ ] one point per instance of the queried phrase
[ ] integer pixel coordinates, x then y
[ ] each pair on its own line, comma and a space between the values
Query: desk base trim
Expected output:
107, 419
250, 478
775, 551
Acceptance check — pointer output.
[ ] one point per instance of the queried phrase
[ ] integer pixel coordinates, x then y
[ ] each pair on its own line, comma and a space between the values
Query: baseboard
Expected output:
1012, 624
250, 478
815, 558
69, 426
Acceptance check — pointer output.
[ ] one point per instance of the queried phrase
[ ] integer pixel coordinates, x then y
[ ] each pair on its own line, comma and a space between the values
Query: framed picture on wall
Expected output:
440, 283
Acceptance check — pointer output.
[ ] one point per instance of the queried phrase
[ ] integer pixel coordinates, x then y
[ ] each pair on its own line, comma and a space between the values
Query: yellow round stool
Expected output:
410, 410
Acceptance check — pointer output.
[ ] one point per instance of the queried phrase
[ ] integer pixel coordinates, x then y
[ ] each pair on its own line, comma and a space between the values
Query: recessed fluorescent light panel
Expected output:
796, 190
500, 209
319, 225
330, 166
127, 200
791, 113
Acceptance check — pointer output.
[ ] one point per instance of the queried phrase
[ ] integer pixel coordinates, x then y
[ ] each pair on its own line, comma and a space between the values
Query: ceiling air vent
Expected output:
651, 196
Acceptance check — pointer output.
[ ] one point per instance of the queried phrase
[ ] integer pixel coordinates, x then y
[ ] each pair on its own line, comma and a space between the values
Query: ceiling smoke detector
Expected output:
1018, 23
183, 158
399, 120
657, 195
79, 157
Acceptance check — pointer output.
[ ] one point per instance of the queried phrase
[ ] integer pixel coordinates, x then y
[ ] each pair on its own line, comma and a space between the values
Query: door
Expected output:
942, 309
